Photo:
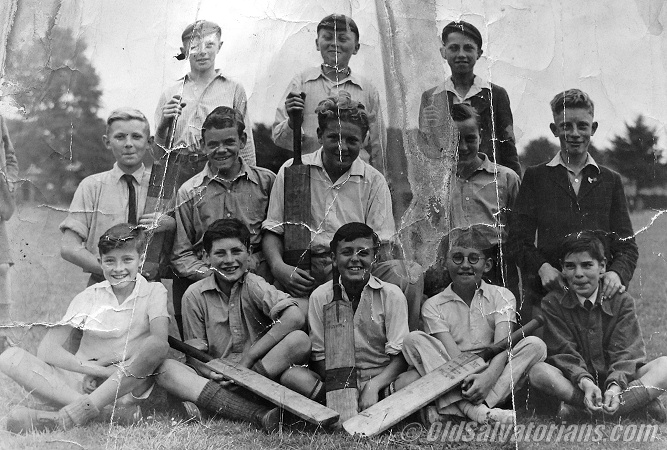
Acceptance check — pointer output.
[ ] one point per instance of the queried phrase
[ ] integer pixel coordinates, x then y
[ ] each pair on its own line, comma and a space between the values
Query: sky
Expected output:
615, 50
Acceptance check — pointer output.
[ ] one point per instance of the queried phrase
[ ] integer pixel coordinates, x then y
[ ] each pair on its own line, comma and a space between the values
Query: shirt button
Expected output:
228, 191
467, 198
229, 215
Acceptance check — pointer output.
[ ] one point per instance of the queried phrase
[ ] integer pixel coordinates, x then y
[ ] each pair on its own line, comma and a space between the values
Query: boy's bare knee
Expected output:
299, 344
293, 319
10, 358
537, 347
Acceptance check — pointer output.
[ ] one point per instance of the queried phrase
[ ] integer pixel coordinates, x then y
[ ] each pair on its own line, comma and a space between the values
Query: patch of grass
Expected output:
44, 284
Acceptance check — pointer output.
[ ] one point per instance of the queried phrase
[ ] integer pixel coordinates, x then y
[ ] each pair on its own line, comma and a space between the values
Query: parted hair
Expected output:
351, 231
572, 98
461, 112
119, 236
126, 114
224, 117
226, 229
342, 108
580, 242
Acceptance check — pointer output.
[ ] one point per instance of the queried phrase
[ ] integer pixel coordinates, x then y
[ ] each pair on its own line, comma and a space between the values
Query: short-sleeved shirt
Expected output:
102, 201
472, 327
317, 88
221, 91
380, 323
484, 197
229, 326
205, 198
109, 327
360, 195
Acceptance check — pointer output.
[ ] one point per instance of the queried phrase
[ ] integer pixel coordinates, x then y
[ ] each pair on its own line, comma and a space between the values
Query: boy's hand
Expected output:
293, 104
611, 284
90, 383
297, 282
368, 396
434, 116
612, 399
552, 279
170, 110
155, 221
592, 395
476, 387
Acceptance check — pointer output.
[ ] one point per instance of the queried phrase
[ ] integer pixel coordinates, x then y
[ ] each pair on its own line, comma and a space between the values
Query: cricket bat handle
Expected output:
297, 121
188, 350
488, 353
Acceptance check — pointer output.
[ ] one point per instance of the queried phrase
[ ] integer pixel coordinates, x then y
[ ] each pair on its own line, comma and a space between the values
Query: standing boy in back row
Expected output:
461, 48
337, 40
568, 194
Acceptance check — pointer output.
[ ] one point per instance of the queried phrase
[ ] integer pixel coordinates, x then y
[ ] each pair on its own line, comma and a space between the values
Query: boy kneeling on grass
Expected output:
236, 315
380, 313
595, 344
470, 315
124, 321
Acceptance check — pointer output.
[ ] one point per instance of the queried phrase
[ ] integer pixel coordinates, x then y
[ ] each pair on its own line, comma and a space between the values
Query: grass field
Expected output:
43, 285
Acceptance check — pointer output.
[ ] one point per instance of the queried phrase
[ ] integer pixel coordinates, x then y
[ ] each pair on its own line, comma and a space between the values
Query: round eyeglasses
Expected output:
473, 258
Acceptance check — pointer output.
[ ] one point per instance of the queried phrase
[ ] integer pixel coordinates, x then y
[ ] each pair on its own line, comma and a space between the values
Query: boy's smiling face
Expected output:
582, 272
222, 146
202, 51
461, 53
121, 265
341, 143
466, 266
128, 140
229, 260
355, 259
574, 127
336, 47
468, 147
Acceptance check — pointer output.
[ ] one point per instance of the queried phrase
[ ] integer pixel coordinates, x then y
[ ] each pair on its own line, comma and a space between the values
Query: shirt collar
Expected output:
315, 159
373, 283
478, 83
486, 165
570, 300
140, 281
558, 161
313, 73
592, 297
209, 284
244, 171
118, 173
449, 295
187, 77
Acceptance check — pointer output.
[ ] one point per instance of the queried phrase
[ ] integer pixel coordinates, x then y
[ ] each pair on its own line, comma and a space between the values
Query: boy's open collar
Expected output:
570, 300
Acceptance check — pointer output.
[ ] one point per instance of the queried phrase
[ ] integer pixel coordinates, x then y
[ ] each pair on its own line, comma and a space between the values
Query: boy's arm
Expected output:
295, 281
282, 133
369, 394
562, 343
183, 258
73, 249
506, 153
11, 163
626, 345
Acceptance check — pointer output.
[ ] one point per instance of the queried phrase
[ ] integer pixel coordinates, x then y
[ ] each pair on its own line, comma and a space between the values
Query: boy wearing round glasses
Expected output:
227, 188
467, 316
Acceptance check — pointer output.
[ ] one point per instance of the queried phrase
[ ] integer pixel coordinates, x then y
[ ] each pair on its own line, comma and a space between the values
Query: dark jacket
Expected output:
548, 206
485, 102
605, 344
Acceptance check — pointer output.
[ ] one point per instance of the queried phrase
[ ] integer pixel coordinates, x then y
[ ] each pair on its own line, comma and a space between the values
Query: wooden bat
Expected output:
160, 190
296, 239
276, 393
341, 375
418, 394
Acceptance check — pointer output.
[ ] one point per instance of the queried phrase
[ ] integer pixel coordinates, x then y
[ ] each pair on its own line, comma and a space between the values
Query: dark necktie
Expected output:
588, 304
132, 208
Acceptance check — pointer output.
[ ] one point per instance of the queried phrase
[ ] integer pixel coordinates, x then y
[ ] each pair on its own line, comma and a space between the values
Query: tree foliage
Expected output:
57, 90
538, 151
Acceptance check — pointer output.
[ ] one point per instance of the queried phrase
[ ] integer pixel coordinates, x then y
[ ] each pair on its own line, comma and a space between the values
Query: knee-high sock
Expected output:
229, 404
634, 396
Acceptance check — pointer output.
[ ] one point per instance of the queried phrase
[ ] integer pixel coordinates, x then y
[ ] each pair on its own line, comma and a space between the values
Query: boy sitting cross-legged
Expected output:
236, 315
596, 351
124, 321
380, 313
470, 315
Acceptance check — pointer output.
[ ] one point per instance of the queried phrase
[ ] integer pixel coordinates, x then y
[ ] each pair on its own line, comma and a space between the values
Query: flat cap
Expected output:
465, 28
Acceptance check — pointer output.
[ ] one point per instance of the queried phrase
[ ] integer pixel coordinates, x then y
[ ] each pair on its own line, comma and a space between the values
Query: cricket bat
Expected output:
296, 238
276, 393
161, 188
341, 374
401, 404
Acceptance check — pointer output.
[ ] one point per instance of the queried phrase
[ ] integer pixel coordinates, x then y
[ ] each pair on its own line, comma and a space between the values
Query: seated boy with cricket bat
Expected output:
597, 360
380, 313
236, 315
124, 323
470, 315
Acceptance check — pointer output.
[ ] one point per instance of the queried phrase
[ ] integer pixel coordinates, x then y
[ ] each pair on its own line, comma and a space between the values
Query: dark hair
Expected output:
464, 28
224, 117
351, 231
580, 242
341, 108
462, 111
119, 236
572, 98
226, 229
338, 22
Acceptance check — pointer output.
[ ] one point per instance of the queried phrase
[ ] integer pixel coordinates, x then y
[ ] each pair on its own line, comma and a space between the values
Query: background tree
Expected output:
537, 151
59, 138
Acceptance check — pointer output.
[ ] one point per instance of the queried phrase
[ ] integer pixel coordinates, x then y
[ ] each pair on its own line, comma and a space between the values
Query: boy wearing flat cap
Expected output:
195, 95
461, 48
337, 41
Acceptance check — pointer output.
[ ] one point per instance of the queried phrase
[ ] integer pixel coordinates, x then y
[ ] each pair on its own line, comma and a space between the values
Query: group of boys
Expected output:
242, 302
